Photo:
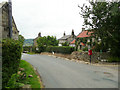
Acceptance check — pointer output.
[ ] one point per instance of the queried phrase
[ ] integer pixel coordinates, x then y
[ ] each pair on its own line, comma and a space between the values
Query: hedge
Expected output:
60, 49
27, 48
11, 54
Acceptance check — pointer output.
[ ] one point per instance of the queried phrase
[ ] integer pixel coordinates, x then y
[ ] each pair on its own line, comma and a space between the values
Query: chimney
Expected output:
73, 32
39, 35
83, 29
64, 33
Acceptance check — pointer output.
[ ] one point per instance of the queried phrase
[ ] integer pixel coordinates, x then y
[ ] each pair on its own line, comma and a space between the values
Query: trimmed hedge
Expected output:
60, 49
27, 48
11, 54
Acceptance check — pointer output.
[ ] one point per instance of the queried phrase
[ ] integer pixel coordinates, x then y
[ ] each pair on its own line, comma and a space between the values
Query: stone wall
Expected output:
4, 23
96, 56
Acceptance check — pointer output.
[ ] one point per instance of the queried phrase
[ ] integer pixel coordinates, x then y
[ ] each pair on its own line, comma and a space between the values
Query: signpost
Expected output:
90, 53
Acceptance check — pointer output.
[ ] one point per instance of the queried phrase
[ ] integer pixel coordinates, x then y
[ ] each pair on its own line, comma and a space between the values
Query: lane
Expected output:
60, 73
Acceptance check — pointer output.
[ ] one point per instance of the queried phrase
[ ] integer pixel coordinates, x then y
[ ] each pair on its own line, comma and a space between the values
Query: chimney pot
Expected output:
83, 29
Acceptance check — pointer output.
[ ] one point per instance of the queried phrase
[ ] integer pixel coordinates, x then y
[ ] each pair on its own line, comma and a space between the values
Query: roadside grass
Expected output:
33, 81
31, 53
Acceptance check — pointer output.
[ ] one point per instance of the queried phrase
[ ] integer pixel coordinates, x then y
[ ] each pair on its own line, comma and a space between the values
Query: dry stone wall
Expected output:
96, 56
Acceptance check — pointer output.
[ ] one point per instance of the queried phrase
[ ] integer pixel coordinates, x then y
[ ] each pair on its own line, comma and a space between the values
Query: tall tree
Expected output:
103, 19
45, 41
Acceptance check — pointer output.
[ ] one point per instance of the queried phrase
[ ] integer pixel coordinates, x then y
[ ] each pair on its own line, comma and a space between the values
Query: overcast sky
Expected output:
50, 17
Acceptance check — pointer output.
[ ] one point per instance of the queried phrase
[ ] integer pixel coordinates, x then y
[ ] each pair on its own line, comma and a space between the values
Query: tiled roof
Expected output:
65, 37
84, 34
82, 44
73, 42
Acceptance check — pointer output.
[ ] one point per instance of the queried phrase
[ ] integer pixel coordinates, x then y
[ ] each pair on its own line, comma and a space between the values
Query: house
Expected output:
83, 39
5, 24
72, 44
66, 38
35, 40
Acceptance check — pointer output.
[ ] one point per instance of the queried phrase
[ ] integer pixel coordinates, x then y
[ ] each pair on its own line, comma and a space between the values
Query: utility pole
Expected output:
10, 17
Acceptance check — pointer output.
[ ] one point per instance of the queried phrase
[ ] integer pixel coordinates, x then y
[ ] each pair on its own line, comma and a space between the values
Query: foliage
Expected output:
103, 19
34, 49
29, 70
11, 54
85, 49
21, 39
31, 53
12, 83
113, 59
60, 49
99, 47
44, 42
19, 80
65, 44
28, 42
27, 48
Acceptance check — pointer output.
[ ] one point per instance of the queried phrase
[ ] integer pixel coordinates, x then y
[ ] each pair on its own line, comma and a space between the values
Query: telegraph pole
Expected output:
10, 17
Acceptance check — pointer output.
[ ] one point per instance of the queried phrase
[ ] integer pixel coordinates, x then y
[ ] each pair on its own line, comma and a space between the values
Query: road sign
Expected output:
89, 52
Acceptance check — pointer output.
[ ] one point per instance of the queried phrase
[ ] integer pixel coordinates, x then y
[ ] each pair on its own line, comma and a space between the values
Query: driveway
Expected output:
61, 73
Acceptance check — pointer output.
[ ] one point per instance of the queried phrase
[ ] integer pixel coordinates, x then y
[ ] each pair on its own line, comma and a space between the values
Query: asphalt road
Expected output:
61, 73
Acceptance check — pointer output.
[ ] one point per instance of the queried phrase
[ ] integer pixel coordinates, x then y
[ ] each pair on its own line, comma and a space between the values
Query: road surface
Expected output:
61, 73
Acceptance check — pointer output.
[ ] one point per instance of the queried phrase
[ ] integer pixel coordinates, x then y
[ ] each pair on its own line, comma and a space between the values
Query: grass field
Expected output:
33, 81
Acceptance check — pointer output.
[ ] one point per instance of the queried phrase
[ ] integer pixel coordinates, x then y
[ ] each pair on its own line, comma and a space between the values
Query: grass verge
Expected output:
29, 70
31, 53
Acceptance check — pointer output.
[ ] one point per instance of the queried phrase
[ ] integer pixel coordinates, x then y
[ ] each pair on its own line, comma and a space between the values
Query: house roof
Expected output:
82, 44
84, 33
65, 37
73, 42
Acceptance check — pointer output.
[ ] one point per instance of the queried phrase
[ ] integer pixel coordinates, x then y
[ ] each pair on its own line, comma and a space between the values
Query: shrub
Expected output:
12, 83
60, 49
11, 54
27, 48
85, 49
113, 59
65, 44
41, 49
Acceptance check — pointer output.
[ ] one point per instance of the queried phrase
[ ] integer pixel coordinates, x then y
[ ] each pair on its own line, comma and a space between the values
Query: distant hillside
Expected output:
28, 42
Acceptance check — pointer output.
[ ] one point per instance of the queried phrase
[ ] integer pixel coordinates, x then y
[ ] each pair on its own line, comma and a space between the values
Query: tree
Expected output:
103, 19
21, 39
41, 43
65, 44
46, 41
52, 41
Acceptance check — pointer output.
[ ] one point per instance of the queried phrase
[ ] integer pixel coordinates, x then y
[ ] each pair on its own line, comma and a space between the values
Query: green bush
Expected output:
60, 49
41, 49
113, 59
27, 48
34, 49
12, 83
85, 49
11, 54
65, 44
